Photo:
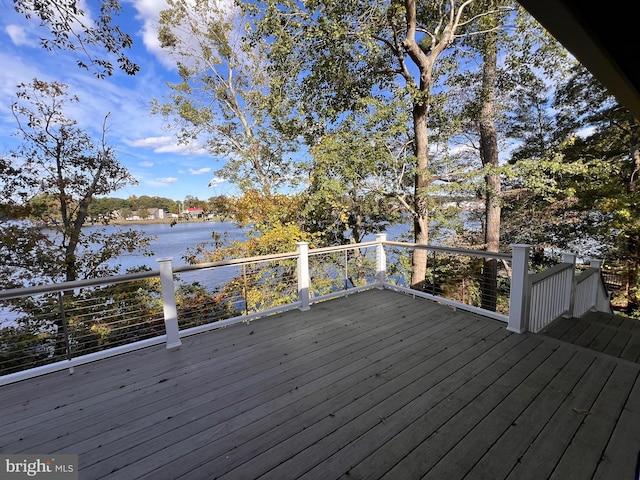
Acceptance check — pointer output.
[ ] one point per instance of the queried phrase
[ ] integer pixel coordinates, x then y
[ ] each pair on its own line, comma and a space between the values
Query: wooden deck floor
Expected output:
376, 385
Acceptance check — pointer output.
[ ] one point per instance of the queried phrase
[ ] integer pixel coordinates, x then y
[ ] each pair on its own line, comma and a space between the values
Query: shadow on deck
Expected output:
611, 334
377, 385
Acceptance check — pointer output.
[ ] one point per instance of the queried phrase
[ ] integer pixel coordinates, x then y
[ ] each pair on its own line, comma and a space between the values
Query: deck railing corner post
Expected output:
519, 295
303, 275
602, 302
595, 263
169, 303
381, 260
570, 287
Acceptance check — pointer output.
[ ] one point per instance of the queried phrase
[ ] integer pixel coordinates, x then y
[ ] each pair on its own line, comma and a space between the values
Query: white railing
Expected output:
556, 292
551, 294
590, 291
54, 327
455, 278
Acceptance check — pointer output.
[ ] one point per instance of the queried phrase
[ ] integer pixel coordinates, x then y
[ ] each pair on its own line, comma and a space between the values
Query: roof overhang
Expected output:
600, 36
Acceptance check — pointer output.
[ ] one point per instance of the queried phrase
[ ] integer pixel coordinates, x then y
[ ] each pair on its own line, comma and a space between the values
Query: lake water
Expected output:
173, 242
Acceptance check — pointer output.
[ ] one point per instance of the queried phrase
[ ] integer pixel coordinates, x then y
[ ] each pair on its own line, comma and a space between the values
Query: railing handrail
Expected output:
585, 274
341, 248
236, 261
127, 277
549, 272
519, 306
64, 286
458, 251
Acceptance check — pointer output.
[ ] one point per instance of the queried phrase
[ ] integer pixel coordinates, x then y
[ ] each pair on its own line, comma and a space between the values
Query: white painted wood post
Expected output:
381, 260
570, 286
603, 303
303, 275
520, 290
169, 304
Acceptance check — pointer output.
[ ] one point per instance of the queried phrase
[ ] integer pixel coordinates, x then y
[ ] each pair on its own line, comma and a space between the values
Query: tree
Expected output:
73, 29
103, 210
538, 192
603, 143
223, 97
56, 174
490, 161
360, 48
481, 112
358, 181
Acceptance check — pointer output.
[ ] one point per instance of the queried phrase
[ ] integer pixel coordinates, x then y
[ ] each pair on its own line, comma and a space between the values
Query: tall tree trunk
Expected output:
424, 60
421, 203
425, 64
489, 157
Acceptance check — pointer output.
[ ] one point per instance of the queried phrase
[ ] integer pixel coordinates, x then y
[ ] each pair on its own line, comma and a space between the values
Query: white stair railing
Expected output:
551, 293
537, 299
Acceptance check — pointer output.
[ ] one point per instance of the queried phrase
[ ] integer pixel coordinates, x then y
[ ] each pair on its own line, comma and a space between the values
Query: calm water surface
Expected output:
172, 242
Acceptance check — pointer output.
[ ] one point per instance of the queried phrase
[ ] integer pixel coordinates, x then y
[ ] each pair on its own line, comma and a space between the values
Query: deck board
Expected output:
375, 385
624, 443
581, 458
511, 445
547, 449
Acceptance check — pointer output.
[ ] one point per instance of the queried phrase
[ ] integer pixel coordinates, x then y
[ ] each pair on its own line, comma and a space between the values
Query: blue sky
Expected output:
151, 153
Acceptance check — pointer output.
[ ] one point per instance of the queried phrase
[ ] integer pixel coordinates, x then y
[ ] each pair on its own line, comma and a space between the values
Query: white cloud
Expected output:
200, 171
159, 182
167, 144
215, 181
146, 164
181, 149
151, 142
19, 36
149, 14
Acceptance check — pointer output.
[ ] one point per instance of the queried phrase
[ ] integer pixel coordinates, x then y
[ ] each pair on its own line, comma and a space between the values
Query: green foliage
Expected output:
73, 29
359, 178
198, 306
59, 171
226, 97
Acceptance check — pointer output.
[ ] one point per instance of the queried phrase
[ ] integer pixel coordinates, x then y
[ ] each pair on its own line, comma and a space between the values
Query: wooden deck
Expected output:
611, 334
375, 385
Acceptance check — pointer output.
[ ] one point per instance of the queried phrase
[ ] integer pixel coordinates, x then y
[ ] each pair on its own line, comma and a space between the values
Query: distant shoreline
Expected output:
175, 221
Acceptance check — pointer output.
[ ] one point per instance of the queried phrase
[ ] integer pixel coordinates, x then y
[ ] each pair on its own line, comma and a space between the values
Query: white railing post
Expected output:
570, 286
381, 260
603, 304
303, 275
169, 303
520, 292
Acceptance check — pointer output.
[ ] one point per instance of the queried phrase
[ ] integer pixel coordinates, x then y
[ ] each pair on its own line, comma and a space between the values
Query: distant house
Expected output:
147, 214
155, 213
194, 212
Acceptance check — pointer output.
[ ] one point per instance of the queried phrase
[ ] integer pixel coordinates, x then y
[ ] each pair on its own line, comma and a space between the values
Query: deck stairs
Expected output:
608, 333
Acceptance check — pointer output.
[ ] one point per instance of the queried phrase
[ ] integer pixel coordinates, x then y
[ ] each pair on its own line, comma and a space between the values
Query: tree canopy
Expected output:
97, 40
55, 176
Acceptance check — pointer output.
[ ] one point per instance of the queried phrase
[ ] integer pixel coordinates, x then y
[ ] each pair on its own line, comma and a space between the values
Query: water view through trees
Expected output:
174, 241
